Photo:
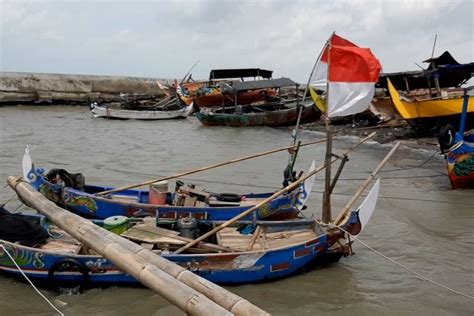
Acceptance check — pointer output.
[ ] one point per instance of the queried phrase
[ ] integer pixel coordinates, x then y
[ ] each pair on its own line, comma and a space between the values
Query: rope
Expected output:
412, 167
72, 114
403, 266
8, 200
18, 207
250, 185
31, 283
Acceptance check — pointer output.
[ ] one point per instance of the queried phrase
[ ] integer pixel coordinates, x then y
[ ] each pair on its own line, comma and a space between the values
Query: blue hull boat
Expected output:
83, 200
458, 148
287, 247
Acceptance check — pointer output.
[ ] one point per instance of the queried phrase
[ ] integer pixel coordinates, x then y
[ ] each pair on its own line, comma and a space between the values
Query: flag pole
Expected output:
326, 214
294, 134
316, 65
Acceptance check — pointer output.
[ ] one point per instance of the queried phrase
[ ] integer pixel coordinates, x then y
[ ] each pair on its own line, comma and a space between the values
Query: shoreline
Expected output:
387, 133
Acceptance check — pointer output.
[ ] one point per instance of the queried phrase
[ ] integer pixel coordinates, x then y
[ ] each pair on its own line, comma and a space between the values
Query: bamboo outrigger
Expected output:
189, 292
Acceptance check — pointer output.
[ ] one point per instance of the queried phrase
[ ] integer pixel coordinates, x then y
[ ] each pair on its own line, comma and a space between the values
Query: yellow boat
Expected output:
415, 108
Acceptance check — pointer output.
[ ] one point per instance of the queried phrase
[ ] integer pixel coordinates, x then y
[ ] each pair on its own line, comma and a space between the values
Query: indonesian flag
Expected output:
353, 72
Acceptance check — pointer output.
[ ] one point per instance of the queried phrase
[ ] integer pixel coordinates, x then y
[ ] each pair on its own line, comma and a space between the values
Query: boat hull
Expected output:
135, 203
122, 114
61, 269
430, 113
283, 117
215, 98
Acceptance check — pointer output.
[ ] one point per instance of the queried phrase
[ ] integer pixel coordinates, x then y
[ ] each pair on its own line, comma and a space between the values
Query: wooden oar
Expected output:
288, 188
209, 167
345, 211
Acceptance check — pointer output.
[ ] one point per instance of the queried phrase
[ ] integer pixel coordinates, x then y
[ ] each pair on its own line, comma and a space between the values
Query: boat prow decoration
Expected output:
360, 217
27, 165
306, 188
318, 100
188, 110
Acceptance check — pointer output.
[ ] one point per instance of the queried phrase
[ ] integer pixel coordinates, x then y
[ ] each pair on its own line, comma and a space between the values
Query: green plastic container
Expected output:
116, 224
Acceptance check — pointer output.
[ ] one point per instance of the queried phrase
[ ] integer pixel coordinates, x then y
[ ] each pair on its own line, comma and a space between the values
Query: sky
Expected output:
164, 39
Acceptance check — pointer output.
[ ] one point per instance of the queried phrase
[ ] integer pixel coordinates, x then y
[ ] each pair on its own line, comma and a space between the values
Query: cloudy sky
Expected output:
165, 38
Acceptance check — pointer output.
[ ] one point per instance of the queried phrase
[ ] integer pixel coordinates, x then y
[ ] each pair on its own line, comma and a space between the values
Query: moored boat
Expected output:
70, 190
458, 148
255, 253
212, 93
126, 114
258, 115
430, 98
273, 111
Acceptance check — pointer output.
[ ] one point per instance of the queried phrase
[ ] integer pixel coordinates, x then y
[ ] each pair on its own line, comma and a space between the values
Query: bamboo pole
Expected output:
344, 159
345, 211
189, 292
288, 188
326, 216
209, 167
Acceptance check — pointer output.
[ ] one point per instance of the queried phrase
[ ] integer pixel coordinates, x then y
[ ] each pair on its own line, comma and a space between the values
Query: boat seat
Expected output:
230, 237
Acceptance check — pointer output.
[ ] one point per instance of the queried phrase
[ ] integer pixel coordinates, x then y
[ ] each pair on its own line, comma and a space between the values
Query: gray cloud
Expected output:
165, 38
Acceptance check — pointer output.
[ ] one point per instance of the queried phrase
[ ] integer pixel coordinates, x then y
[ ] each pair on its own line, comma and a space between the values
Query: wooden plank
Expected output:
254, 238
124, 198
172, 234
61, 246
138, 234
188, 190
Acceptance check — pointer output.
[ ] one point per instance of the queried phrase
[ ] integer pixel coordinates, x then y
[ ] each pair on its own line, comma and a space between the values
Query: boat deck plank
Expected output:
230, 237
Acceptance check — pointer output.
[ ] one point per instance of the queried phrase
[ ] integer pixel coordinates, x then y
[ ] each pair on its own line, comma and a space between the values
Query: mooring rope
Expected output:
73, 114
411, 167
233, 183
402, 265
31, 283
8, 200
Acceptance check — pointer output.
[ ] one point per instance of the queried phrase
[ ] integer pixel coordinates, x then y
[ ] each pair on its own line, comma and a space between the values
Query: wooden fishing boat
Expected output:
259, 115
431, 98
125, 114
70, 190
254, 253
213, 93
458, 148
428, 112
273, 111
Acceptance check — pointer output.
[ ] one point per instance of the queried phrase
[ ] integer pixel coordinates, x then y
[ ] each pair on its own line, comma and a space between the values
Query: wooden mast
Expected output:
326, 215
288, 188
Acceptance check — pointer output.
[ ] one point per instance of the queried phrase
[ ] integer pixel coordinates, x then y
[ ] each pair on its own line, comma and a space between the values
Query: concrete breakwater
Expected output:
18, 87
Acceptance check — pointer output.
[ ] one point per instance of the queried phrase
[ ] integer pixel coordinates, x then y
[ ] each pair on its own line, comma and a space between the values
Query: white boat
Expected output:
124, 114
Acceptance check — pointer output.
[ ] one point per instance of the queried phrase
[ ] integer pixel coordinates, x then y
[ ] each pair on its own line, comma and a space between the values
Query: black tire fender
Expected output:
446, 137
68, 264
228, 197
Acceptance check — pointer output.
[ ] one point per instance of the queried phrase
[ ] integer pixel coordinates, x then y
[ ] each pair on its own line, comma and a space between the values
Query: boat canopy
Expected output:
240, 73
444, 59
449, 72
238, 86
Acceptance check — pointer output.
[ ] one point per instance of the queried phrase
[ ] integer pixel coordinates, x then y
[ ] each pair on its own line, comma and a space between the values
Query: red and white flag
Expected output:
350, 73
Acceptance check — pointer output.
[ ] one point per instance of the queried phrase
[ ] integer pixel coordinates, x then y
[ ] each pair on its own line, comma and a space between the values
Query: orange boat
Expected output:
216, 91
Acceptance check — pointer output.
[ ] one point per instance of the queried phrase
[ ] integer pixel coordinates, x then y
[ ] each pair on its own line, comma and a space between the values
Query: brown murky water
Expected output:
419, 221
